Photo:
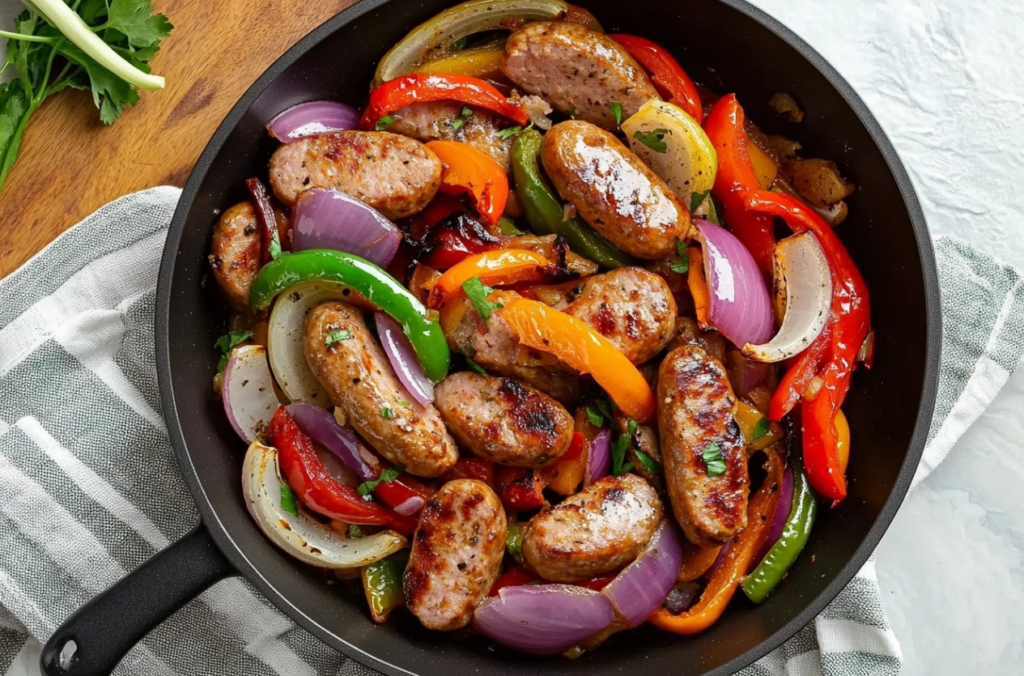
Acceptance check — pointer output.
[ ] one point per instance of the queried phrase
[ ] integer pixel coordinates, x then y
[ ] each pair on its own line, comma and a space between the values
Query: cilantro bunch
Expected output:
100, 46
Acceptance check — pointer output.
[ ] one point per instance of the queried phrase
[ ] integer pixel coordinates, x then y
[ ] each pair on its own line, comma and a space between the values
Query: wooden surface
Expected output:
71, 165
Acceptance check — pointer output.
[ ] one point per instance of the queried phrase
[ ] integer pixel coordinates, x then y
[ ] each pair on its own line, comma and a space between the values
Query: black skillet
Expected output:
726, 45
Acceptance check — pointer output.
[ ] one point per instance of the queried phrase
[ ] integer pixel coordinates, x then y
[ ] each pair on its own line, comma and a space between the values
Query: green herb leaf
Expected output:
288, 500
649, 464
404, 403
712, 216
477, 294
506, 134
132, 18
599, 411
354, 531
384, 122
388, 413
466, 111
229, 342
762, 428
594, 416
681, 265
653, 140
619, 447
473, 366
457, 123
697, 199
337, 336
616, 109
367, 488
681, 247
514, 539
275, 245
713, 460
459, 44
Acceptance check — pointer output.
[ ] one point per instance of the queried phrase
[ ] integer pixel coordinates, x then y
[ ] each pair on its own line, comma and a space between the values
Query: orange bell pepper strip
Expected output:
503, 267
699, 287
696, 561
667, 75
733, 567
467, 170
584, 349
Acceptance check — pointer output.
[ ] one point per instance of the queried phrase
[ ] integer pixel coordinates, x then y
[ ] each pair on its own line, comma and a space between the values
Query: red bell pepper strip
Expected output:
833, 355
317, 489
471, 468
736, 175
400, 489
422, 87
467, 170
669, 78
515, 576
518, 488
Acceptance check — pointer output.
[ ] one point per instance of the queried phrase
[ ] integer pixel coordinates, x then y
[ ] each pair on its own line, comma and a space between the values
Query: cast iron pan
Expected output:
726, 45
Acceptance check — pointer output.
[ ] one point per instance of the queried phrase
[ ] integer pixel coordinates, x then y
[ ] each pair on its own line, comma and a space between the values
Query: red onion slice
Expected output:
410, 506
314, 117
741, 309
404, 360
782, 511
642, 586
543, 619
330, 219
248, 392
322, 428
599, 457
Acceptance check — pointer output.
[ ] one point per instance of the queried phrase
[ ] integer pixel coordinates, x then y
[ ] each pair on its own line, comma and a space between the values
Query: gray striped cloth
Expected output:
90, 488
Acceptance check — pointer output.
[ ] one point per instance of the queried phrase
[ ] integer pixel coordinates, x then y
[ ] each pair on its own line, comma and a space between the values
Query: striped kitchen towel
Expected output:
90, 488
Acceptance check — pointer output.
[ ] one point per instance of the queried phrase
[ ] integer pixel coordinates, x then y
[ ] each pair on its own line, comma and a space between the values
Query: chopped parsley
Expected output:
713, 460
227, 343
619, 446
681, 265
598, 412
655, 140
594, 417
461, 119
616, 109
275, 245
404, 403
337, 336
354, 531
388, 413
645, 460
762, 428
459, 44
383, 123
367, 488
697, 199
506, 134
477, 294
288, 500
476, 368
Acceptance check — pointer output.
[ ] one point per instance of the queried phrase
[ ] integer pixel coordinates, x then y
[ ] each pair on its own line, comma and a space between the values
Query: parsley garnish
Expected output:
366, 488
506, 134
697, 199
653, 140
681, 265
275, 245
619, 446
616, 109
388, 413
404, 403
461, 119
337, 336
354, 531
459, 44
288, 500
477, 294
384, 122
594, 417
473, 366
645, 460
762, 428
229, 342
598, 412
713, 460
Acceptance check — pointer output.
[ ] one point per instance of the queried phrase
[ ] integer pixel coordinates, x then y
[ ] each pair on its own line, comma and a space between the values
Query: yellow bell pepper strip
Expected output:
842, 440
506, 266
467, 170
382, 583
584, 349
730, 571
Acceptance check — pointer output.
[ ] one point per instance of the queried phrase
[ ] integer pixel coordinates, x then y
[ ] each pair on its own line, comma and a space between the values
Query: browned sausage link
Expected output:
613, 190
631, 307
456, 554
599, 530
688, 332
235, 254
503, 420
357, 376
696, 409
395, 175
580, 72
492, 345
444, 121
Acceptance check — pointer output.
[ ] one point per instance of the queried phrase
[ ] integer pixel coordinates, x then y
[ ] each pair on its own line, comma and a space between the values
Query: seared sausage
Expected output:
501, 419
578, 71
631, 307
235, 254
444, 121
358, 377
492, 345
597, 531
696, 409
456, 554
395, 175
688, 332
613, 190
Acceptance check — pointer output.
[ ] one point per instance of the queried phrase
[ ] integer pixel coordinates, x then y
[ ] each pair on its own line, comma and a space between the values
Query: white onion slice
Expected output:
802, 275
248, 392
300, 536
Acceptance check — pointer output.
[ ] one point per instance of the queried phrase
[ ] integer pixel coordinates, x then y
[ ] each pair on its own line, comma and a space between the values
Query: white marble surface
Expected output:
946, 80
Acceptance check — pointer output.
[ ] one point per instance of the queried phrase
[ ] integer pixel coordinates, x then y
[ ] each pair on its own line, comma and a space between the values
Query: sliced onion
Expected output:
301, 536
599, 457
802, 276
314, 117
543, 619
782, 511
740, 306
403, 359
410, 506
330, 219
642, 586
248, 392
322, 428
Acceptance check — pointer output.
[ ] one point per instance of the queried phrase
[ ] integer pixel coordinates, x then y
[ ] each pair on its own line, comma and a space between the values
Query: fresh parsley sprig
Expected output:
229, 342
367, 488
477, 292
619, 446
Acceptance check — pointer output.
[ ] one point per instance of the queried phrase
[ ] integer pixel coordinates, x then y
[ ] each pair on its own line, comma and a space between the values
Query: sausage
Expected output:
503, 420
631, 307
395, 175
578, 71
597, 531
235, 254
492, 345
688, 332
444, 121
696, 409
456, 554
613, 190
359, 379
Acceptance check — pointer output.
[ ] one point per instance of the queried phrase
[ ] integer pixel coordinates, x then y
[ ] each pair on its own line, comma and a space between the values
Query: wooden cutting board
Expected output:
70, 164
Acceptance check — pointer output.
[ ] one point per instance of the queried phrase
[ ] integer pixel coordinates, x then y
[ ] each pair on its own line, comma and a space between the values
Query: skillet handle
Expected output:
94, 639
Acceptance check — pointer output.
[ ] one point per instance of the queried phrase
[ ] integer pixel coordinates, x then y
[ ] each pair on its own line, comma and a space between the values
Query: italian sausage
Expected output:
456, 554
696, 409
445, 121
359, 379
688, 332
235, 254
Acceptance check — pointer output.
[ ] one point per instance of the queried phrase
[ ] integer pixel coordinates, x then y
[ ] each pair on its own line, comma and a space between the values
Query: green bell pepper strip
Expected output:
375, 284
382, 582
514, 540
546, 214
794, 536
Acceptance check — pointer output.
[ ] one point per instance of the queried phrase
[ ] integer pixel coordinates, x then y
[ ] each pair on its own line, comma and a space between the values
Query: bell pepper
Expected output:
696, 561
375, 284
736, 175
842, 440
515, 576
467, 170
480, 62
698, 286
832, 357
422, 87
268, 220
584, 349
514, 540
545, 213
668, 77
518, 488
317, 489
794, 537
398, 490
564, 476
382, 583
440, 208
731, 569
503, 267
471, 468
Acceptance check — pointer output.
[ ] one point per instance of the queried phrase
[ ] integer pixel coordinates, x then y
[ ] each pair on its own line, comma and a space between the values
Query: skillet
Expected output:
730, 46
